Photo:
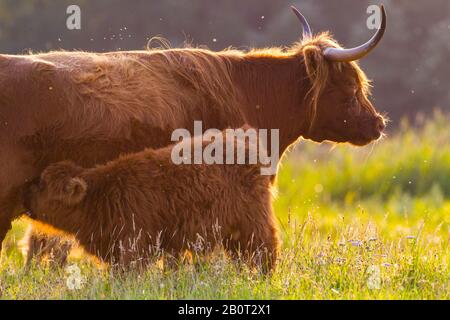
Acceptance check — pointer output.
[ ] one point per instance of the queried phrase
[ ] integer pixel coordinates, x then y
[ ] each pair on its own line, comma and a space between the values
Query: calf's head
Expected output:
60, 188
338, 99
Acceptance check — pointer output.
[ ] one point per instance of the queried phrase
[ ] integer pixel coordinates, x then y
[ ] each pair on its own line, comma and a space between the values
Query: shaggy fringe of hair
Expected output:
115, 80
317, 67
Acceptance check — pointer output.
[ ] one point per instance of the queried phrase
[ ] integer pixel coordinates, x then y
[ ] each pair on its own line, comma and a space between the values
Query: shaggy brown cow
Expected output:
91, 107
125, 209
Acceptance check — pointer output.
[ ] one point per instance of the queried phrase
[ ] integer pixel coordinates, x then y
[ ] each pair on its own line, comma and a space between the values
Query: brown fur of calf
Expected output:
129, 209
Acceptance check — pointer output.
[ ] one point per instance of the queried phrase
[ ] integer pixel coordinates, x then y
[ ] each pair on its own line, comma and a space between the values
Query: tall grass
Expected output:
356, 223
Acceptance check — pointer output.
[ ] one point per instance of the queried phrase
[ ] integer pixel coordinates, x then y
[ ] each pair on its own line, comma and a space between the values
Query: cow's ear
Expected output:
74, 191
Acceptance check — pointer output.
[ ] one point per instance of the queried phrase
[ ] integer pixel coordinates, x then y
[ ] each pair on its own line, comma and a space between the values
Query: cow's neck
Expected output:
272, 90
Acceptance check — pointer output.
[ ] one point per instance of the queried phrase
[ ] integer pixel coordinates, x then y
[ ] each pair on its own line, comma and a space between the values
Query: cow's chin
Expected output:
360, 142
365, 140
356, 140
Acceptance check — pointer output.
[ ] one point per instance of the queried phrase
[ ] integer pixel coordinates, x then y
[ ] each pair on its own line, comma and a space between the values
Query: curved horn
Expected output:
335, 54
306, 28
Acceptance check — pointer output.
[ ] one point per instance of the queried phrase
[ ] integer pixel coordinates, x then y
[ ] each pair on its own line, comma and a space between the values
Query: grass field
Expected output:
356, 223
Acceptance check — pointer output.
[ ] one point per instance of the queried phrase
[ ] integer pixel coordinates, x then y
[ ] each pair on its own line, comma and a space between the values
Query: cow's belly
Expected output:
91, 150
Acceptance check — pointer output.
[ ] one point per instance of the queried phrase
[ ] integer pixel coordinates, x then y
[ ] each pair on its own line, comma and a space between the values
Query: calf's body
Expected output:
137, 205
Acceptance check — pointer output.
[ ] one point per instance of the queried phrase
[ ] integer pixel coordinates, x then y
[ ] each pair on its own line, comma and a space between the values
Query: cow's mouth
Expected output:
361, 139
365, 139
369, 132
361, 135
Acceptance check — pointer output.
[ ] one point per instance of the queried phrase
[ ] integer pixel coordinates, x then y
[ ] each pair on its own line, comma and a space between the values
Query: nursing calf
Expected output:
140, 204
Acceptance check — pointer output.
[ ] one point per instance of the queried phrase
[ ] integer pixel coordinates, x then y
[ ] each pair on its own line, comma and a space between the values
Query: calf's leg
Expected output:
40, 245
258, 247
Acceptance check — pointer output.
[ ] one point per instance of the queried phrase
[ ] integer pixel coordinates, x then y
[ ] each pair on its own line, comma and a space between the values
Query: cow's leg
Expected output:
5, 224
15, 172
7, 205
17, 169
10, 209
38, 244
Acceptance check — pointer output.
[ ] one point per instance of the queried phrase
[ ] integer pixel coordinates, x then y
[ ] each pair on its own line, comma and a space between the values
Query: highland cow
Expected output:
92, 107
129, 208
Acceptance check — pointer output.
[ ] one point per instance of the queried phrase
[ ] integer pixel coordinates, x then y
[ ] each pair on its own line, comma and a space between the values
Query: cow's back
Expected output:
91, 107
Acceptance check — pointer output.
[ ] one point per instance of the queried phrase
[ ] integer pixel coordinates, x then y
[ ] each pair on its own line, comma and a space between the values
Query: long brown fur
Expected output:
92, 107
138, 205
